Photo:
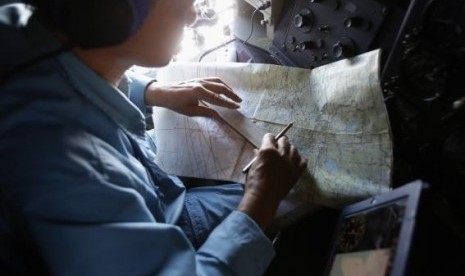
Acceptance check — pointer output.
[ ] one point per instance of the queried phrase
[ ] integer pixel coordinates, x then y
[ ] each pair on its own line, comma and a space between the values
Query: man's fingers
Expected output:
268, 141
217, 86
284, 146
214, 98
297, 159
219, 81
294, 156
303, 164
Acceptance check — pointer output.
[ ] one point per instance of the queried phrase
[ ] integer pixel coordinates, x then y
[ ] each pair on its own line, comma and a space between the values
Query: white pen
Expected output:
279, 135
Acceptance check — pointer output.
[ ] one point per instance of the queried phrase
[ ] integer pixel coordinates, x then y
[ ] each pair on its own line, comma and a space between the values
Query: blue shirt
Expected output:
80, 192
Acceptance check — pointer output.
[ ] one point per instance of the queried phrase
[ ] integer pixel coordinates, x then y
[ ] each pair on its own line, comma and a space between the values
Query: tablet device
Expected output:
373, 237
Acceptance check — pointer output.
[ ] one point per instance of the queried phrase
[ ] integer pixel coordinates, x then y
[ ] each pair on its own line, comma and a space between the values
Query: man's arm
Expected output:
278, 167
90, 213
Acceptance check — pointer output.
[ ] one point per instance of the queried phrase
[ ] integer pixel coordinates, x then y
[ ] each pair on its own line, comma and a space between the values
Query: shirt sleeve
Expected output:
91, 214
137, 83
239, 243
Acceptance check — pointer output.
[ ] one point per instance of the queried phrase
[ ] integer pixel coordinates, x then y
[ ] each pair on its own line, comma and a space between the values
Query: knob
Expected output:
344, 47
324, 28
300, 21
304, 20
307, 45
339, 49
357, 22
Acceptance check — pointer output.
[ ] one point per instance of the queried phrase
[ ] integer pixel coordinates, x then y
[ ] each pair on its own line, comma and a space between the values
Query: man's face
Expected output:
158, 39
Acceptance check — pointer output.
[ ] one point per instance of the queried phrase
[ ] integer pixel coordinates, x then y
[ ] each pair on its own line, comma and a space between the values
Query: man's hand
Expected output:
184, 97
271, 177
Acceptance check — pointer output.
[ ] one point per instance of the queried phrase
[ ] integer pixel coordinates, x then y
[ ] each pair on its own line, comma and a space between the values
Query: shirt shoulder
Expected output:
62, 165
47, 151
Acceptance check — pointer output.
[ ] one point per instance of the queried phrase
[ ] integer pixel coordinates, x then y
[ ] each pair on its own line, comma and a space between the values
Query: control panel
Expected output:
316, 32
270, 15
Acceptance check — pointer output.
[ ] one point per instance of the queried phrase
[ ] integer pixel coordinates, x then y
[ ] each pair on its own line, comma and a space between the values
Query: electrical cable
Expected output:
264, 6
215, 48
251, 26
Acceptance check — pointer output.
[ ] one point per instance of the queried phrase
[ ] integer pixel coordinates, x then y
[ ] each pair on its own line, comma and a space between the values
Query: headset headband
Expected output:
99, 23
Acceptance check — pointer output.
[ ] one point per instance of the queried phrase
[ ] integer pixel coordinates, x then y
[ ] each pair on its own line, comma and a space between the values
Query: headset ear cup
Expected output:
97, 23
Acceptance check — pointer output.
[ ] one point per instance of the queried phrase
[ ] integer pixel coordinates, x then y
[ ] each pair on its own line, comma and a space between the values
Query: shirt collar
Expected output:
108, 98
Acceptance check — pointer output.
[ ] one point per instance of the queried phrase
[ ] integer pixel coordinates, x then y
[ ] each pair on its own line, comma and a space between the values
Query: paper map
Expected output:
340, 125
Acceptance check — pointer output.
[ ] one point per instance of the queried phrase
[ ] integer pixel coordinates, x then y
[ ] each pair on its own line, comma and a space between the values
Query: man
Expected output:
80, 192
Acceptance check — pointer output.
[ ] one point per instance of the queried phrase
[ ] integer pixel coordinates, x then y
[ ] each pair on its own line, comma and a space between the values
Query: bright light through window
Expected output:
204, 35
212, 29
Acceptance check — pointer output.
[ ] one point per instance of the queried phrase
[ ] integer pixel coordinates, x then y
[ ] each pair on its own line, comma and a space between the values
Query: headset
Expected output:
95, 23
87, 24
